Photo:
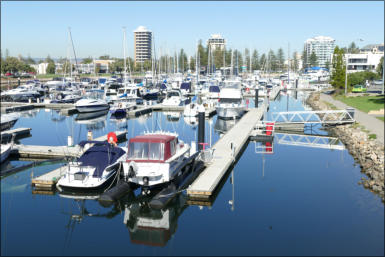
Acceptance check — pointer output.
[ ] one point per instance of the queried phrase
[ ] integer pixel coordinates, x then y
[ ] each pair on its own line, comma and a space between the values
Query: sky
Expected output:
40, 28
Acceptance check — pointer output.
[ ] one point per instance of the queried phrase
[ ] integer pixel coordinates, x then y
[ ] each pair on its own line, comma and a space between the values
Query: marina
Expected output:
171, 135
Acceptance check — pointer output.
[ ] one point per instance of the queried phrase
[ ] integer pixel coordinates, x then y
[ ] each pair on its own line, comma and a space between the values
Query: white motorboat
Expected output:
6, 149
175, 98
231, 104
155, 159
95, 168
8, 120
191, 110
92, 103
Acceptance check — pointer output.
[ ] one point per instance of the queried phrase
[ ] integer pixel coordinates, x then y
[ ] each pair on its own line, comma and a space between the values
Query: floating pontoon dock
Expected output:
226, 149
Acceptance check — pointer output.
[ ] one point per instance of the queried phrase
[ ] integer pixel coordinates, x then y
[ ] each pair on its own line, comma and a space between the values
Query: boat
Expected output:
21, 93
121, 107
8, 120
96, 168
92, 103
6, 149
191, 110
231, 104
156, 159
175, 98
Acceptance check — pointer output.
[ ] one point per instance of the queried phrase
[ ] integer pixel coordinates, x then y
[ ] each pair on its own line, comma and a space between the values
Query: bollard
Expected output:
70, 141
296, 83
29, 100
201, 127
256, 97
351, 112
89, 135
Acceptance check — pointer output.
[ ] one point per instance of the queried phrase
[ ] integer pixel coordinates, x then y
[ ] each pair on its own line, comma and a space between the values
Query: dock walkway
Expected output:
224, 155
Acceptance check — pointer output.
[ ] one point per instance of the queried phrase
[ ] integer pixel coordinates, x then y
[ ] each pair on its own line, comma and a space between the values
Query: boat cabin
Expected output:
152, 148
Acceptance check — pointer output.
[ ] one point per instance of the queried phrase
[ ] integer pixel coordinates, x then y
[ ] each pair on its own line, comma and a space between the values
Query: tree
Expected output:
255, 61
313, 59
104, 57
272, 61
280, 59
295, 62
361, 77
380, 67
87, 60
327, 65
304, 59
353, 49
262, 62
49, 60
338, 69
29, 60
51, 68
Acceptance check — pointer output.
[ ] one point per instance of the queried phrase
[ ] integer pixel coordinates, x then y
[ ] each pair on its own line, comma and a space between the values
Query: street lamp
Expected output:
346, 67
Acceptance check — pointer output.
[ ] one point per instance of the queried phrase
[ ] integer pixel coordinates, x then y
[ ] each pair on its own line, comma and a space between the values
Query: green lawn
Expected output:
363, 103
380, 118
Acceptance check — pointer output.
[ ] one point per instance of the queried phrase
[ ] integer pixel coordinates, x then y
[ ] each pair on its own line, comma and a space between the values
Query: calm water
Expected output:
296, 201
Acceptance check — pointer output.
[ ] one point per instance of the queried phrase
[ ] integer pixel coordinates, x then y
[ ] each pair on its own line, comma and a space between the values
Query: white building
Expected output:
142, 44
363, 61
216, 41
323, 47
40, 68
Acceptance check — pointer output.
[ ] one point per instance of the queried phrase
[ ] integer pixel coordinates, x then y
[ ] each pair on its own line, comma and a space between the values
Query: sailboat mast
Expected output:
124, 54
73, 48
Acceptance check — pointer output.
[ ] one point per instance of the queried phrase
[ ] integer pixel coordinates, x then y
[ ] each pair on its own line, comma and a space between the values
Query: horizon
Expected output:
256, 25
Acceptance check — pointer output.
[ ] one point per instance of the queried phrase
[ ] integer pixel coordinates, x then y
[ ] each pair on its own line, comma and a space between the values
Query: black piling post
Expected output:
201, 127
18, 81
256, 97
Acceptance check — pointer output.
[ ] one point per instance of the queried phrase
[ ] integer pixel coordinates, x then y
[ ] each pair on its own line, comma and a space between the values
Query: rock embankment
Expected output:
369, 153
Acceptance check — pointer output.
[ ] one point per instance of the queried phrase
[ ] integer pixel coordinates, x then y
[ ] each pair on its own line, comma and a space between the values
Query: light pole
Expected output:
346, 68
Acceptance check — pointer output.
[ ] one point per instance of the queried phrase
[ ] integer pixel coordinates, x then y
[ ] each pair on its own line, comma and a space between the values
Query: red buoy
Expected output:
111, 137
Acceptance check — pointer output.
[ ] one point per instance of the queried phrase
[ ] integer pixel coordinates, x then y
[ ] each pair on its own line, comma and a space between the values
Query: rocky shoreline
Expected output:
369, 153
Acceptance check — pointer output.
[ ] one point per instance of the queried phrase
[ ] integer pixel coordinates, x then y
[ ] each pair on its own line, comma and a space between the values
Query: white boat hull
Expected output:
225, 112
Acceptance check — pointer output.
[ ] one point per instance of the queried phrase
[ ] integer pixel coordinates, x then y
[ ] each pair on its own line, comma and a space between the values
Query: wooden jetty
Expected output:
18, 132
48, 180
274, 93
226, 150
44, 152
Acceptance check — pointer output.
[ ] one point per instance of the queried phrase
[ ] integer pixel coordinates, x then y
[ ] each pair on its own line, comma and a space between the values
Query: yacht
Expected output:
8, 120
175, 98
231, 104
92, 103
94, 169
155, 159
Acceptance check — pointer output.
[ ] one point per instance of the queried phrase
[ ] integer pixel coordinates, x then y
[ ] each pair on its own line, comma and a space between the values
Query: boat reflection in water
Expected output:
93, 120
153, 227
147, 226
191, 121
222, 126
120, 121
173, 116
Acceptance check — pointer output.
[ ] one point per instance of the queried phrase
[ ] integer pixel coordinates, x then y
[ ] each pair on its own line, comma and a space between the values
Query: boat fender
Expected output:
132, 169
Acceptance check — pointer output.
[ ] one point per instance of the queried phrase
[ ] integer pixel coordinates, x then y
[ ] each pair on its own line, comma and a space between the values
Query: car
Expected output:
8, 74
359, 89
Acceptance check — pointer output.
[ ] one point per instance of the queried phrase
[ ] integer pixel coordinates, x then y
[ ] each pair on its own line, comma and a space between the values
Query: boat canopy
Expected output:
214, 89
100, 155
154, 147
185, 85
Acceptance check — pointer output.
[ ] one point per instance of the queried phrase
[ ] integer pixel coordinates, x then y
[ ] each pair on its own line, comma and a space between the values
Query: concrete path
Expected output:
371, 123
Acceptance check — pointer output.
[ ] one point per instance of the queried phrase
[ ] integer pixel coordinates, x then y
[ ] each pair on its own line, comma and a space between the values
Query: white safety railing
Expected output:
323, 117
323, 142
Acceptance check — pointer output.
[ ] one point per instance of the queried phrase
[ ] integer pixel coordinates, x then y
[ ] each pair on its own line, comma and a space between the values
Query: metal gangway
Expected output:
314, 141
326, 117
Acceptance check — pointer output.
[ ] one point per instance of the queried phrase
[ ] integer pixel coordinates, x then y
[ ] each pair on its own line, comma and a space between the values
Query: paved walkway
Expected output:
371, 123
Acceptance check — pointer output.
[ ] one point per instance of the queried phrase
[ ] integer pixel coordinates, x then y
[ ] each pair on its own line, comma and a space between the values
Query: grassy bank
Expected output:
363, 103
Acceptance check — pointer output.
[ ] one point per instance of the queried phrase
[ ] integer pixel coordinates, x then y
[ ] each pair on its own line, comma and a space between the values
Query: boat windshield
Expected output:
146, 151
230, 100
172, 93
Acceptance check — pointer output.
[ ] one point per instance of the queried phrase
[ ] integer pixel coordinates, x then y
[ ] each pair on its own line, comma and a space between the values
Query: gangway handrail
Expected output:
323, 117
